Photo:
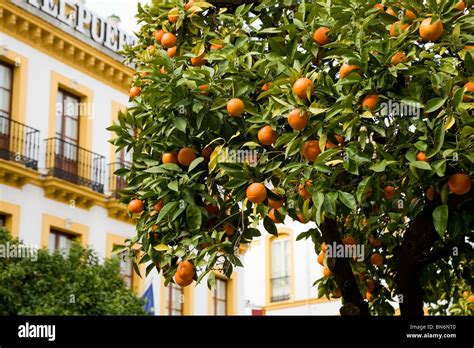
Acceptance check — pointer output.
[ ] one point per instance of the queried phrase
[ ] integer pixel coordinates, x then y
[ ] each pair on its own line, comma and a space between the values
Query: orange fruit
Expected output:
430, 193
324, 247
204, 89
337, 293
173, 15
229, 230
311, 150
460, 6
158, 34
375, 242
398, 28
266, 135
256, 193
370, 102
169, 157
158, 206
349, 241
181, 282
185, 270
136, 206
379, 6
321, 258
300, 87
469, 47
370, 285
273, 217
212, 209
389, 192
275, 204
391, 12
470, 299
410, 14
188, 5
421, 156
151, 49
198, 61
376, 259
296, 120
346, 69
215, 47
468, 87
398, 58
235, 107
459, 184
155, 227
430, 31
266, 86
326, 272
163, 70
186, 156
207, 152
369, 296
303, 191
320, 36
301, 218
135, 91
171, 52
331, 145
169, 40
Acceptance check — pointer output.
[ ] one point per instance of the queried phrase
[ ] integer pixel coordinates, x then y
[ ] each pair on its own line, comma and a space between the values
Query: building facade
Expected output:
62, 83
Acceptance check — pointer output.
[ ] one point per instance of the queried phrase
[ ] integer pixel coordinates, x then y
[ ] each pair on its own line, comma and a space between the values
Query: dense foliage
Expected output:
389, 117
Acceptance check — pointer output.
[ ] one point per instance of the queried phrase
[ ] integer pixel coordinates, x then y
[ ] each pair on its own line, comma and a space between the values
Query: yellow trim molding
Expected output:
188, 299
283, 233
65, 225
17, 175
231, 295
117, 210
12, 211
71, 51
299, 303
138, 283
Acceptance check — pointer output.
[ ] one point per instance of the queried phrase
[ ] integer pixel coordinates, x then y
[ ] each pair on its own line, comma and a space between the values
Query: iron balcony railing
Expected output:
67, 161
19, 143
116, 182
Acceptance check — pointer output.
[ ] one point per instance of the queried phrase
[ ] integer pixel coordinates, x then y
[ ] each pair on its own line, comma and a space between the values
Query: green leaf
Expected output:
361, 189
348, 200
193, 217
421, 165
195, 163
440, 219
270, 226
434, 104
167, 209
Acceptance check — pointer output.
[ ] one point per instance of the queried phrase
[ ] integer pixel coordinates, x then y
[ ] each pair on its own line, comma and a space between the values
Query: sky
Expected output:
125, 9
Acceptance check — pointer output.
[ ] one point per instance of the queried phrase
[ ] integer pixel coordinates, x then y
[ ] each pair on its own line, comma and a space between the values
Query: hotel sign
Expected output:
78, 17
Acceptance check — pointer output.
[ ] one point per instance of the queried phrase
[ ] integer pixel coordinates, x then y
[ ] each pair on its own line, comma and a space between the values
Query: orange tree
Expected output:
361, 118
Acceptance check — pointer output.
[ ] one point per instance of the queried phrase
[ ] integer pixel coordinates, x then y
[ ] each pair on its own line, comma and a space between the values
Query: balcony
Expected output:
19, 148
117, 183
73, 164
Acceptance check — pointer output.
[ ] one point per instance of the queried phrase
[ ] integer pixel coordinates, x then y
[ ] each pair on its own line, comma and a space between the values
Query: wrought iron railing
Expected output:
116, 182
19, 142
67, 161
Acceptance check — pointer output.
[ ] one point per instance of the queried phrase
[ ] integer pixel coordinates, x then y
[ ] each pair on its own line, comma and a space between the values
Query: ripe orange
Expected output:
321, 258
169, 40
398, 58
266, 86
158, 34
311, 150
173, 15
186, 156
185, 270
379, 6
326, 272
229, 230
301, 218
188, 5
460, 6
469, 47
235, 107
212, 209
389, 192
410, 14
346, 69
349, 240
171, 52
300, 87
296, 120
204, 89
198, 61
431, 31
370, 285
275, 204
391, 12
135, 91
324, 247
370, 102
158, 206
468, 87
398, 28
369, 296
430, 193
376, 259
181, 282
207, 152
256, 193
303, 191
169, 157
470, 299
331, 145
459, 184
215, 47
266, 135
320, 36
421, 156
273, 217
136, 206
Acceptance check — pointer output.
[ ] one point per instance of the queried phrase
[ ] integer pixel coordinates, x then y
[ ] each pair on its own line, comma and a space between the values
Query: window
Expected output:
3, 220
219, 297
174, 299
126, 269
280, 269
67, 117
60, 241
6, 85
